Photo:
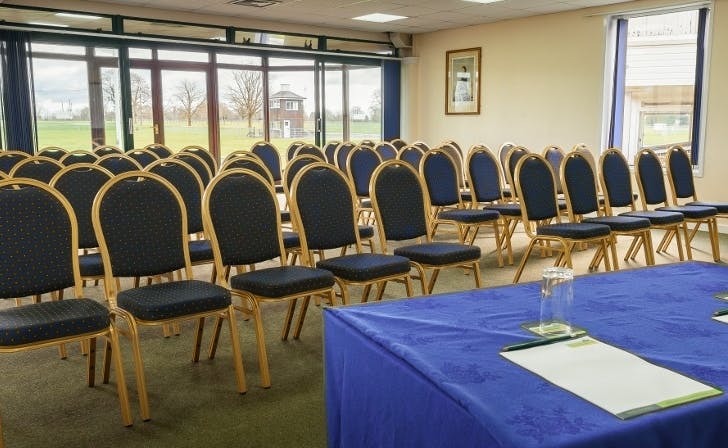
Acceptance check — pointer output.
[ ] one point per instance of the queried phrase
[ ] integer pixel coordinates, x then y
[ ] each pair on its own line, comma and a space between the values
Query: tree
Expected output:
246, 95
375, 105
141, 95
108, 87
189, 96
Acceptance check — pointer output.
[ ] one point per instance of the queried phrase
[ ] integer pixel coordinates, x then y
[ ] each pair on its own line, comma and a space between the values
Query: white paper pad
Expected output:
611, 378
723, 318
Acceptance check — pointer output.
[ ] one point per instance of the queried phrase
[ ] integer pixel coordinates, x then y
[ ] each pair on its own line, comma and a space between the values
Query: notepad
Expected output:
613, 379
723, 295
723, 318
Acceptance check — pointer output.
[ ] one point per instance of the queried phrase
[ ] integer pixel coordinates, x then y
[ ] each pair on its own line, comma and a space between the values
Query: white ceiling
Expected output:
423, 15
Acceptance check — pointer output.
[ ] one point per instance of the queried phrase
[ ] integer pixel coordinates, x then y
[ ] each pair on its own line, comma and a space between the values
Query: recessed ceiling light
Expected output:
482, 1
379, 17
47, 24
77, 16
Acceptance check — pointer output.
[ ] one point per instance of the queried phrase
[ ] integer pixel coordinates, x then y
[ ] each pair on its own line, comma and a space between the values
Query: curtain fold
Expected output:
17, 102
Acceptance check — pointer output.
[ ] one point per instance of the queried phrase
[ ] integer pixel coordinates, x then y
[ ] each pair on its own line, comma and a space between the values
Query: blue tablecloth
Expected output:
426, 372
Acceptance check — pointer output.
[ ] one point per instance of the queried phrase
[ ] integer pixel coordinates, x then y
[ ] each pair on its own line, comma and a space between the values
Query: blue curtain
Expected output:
620, 70
390, 99
17, 102
699, 65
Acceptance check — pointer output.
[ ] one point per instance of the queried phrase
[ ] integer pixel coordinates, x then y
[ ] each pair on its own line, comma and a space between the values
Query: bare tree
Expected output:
141, 95
108, 87
375, 105
246, 95
189, 96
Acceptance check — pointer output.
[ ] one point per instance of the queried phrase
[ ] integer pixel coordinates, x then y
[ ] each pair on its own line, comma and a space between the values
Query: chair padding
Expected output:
291, 240
44, 321
366, 232
621, 223
506, 209
469, 216
657, 217
282, 281
439, 253
363, 267
91, 265
692, 211
173, 299
575, 231
722, 207
200, 250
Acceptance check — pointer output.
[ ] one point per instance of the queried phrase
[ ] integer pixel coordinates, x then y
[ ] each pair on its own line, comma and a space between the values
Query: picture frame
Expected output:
462, 82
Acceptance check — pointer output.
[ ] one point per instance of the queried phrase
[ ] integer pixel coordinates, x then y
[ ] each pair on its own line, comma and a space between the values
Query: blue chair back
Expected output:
400, 198
37, 239
205, 155
361, 163
52, 152
680, 171
324, 207
294, 166
503, 151
142, 156
79, 184
74, 157
140, 223
412, 155
197, 163
292, 148
398, 143
188, 185
648, 170
39, 168
342, 153
8, 159
244, 217
616, 179
579, 184
330, 151
554, 155
422, 145
368, 143
270, 156
118, 163
536, 188
311, 150
159, 149
386, 151
248, 164
105, 150
512, 158
484, 175
439, 173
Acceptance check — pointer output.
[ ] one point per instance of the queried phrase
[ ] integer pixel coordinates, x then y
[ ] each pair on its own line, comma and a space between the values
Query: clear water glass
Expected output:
557, 299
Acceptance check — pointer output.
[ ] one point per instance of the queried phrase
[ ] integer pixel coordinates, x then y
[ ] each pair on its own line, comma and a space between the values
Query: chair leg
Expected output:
107, 361
714, 243
139, 368
647, 245
476, 274
365, 294
613, 244
91, 363
198, 339
381, 286
236, 354
344, 292
260, 338
121, 390
289, 318
407, 286
433, 279
688, 249
212, 347
301, 317
524, 259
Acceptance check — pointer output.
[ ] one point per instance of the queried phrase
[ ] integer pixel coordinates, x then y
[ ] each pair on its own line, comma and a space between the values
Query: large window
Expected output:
657, 92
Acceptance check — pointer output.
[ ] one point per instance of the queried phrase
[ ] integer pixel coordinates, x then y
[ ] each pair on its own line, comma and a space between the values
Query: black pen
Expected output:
720, 313
544, 341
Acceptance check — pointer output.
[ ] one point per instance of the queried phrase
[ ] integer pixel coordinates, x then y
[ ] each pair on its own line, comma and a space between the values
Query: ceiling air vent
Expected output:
255, 3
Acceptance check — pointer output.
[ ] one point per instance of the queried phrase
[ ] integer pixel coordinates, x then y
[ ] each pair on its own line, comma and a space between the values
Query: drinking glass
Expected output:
557, 298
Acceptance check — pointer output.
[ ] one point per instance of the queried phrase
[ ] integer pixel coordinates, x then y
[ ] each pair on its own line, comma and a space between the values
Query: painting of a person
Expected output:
463, 90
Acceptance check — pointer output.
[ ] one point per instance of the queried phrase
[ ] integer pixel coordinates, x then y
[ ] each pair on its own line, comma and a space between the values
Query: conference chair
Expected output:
341, 153
197, 163
241, 217
37, 167
159, 149
330, 150
118, 163
310, 149
141, 226
680, 175
398, 143
360, 164
401, 206
579, 187
8, 159
484, 177
422, 145
142, 156
412, 155
105, 150
79, 184
440, 177
80, 156
503, 151
555, 155
37, 261
616, 182
204, 154
651, 183
536, 189
324, 212
386, 151
368, 143
270, 156
291, 151
52, 152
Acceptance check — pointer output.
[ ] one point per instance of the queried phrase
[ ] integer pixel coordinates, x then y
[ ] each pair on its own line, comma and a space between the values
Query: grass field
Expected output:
233, 135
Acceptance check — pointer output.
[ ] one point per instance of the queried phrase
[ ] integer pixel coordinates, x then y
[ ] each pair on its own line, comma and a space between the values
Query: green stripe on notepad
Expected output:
668, 403
582, 343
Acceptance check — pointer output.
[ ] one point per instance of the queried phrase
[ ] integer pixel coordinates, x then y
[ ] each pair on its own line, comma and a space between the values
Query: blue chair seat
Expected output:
469, 216
366, 232
576, 231
51, 320
506, 209
439, 253
282, 281
91, 265
621, 223
200, 250
722, 207
692, 211
363, 267
173, 299
285, 216
291, 240
657, 217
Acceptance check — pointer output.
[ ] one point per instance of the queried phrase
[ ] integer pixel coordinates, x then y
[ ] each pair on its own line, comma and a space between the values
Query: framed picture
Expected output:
462, 82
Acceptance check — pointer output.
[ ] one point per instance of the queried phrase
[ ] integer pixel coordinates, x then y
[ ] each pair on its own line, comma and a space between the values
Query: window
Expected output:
275, 104
658, 73
291, 105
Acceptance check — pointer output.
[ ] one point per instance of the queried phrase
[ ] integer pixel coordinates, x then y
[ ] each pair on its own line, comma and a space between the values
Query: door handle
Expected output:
156, 129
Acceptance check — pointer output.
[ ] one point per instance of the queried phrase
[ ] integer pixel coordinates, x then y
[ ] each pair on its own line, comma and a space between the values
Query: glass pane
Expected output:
57, 49
365, 103
57, 19
174, 55
238, 59
62, 103
292, 108
333, 107
106, 52
278, 62
184, 96
383, 48
114, 133
173, 29
241, 109
281, 40
141, 107
660, 82
140, 53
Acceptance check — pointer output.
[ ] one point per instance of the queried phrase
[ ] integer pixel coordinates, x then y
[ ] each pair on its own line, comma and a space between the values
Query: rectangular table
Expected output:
426, 372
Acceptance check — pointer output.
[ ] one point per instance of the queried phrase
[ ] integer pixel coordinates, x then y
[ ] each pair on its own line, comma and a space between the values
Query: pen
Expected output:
544, 341
720, 313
